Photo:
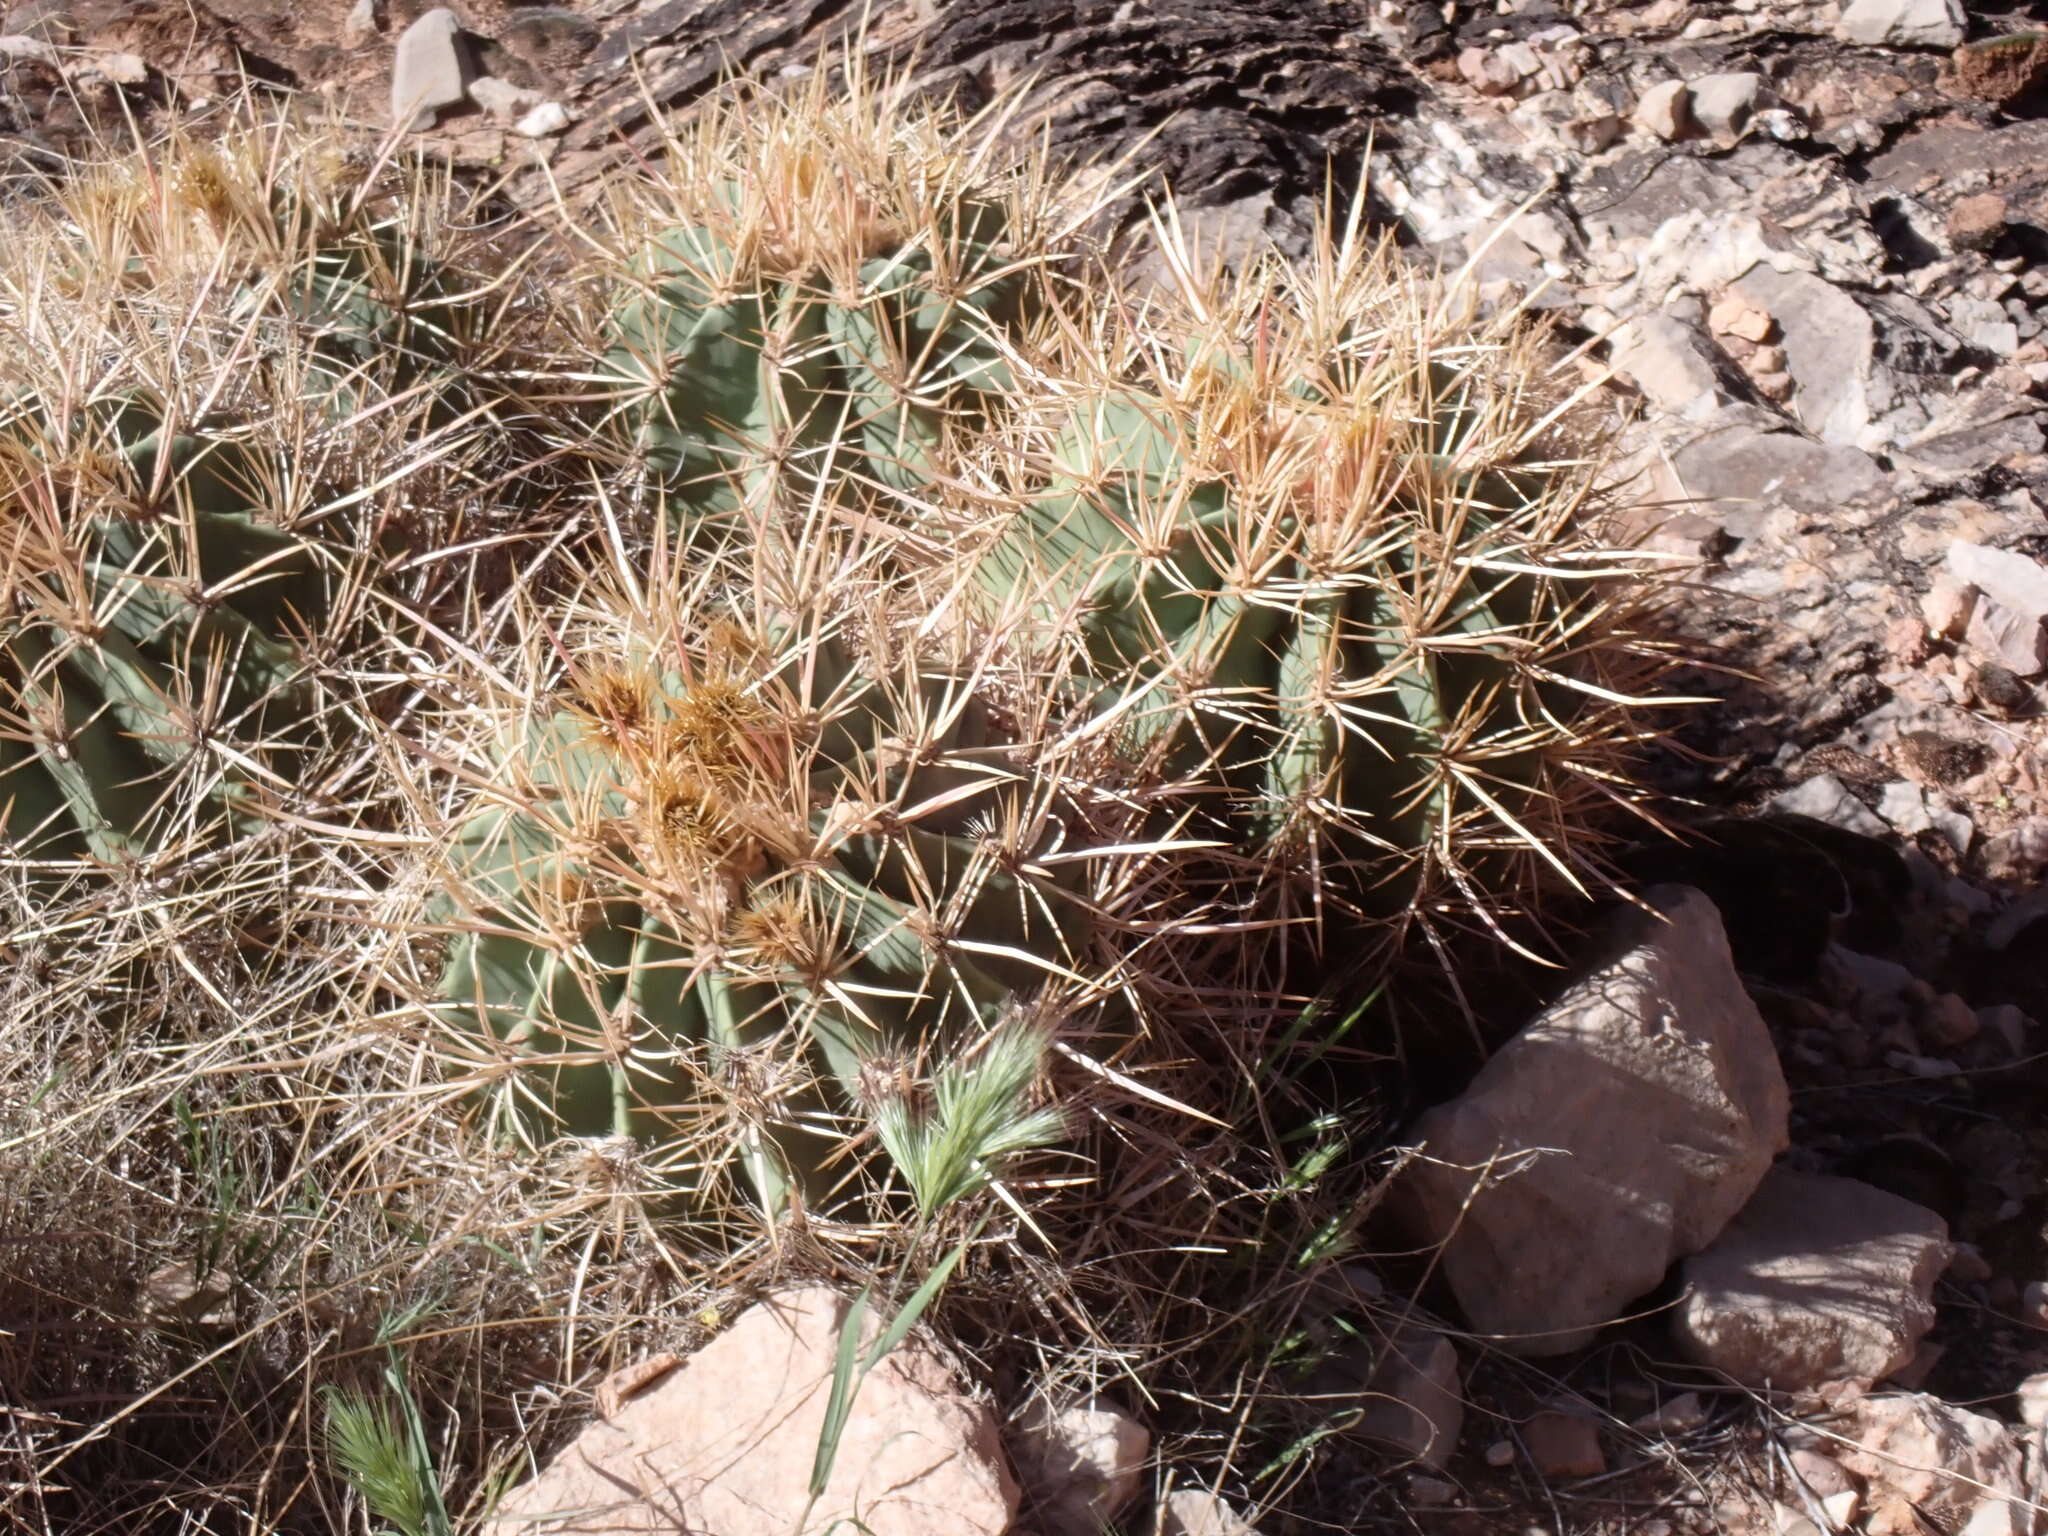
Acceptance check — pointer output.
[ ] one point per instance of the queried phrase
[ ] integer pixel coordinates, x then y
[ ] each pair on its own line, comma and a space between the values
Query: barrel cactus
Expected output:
1308, 543
725, 892
149, 651
738, 378
822, 297
246, 376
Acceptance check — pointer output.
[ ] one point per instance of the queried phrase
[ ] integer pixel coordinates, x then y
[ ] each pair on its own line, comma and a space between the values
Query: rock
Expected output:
1414, 1402
1083, 1463
1668, 361
1831, 349
360, 25
1818, 1279
1823, 1475
2008, 1025
429, 70
550, 117
1487, 72
726, 1444
1826, 798
1682, 1413
1619, 1131
2033, 1399
184, 1293
1946, 607
1564, 1445
1953, 1466
2007, 576
2034, 1303
123, 68
1665, 110
1722, 104
1432, 1492
2013, 640
1975, 223
1951, 1021
501, 100
1906, 641
1911, 810
2000, 688
2005, 623
1197, 1512
1902, 23
1998, 69
1734, 315
1590, 135
2020, 853
1984, 326
1753, 468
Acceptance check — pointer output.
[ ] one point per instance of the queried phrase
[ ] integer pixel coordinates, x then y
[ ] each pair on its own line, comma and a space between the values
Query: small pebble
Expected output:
2033, 1396
1967, 1264
1823, 1475
1920, 1066
2034, 1304
1682, 1413
2001, 688
1431, 1490
1951, 1021
1564, 1445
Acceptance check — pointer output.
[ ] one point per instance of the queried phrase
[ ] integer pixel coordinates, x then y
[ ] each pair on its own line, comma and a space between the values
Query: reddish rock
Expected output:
726, 1445
1817, 1280
1975, 223
1619, 1131
1564, 1445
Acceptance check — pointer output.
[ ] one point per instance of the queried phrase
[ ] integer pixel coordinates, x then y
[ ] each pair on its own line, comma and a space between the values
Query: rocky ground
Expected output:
1796, 251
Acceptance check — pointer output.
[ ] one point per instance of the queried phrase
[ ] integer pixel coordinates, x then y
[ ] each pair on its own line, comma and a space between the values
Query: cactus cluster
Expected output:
1289, 562
1262, 590
604, 880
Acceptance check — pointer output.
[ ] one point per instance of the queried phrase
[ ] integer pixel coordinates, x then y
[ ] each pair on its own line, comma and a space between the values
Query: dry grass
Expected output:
256, 1146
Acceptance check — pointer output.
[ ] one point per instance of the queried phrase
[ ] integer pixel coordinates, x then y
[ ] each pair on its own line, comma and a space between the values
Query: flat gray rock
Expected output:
429, 70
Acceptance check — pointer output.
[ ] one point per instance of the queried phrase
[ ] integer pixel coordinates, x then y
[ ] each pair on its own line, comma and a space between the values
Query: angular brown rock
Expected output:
726, 1445
1619, 1131
1818, 1279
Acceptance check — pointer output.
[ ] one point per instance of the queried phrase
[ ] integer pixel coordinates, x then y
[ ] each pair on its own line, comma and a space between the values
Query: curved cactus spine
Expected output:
742, 884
